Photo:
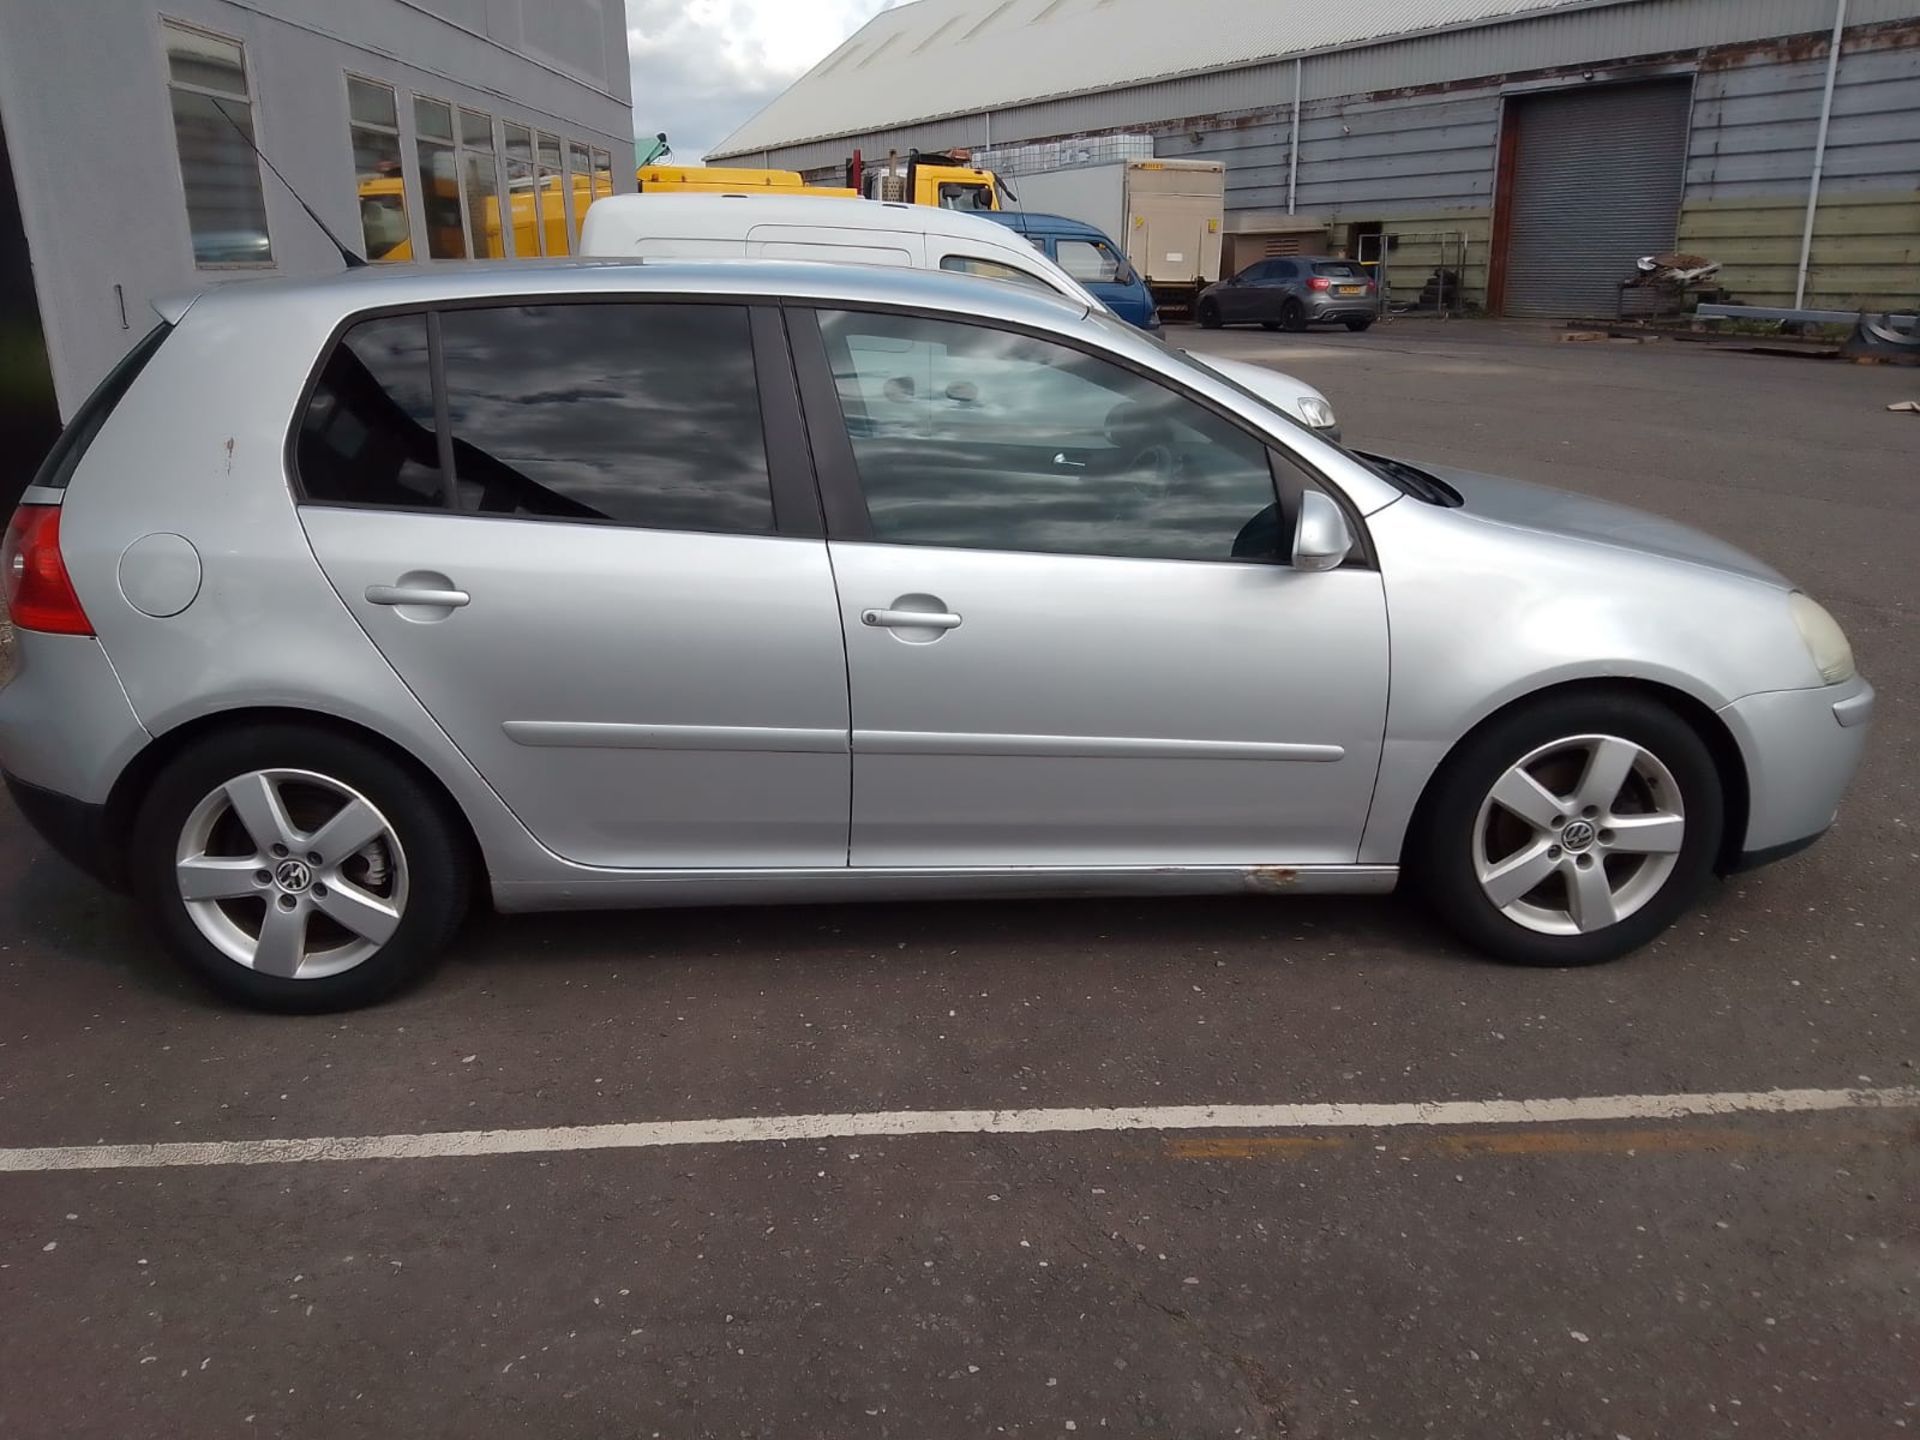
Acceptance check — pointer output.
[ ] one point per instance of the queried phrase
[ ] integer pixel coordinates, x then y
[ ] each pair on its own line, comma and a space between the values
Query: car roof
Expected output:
711, 214
1029, 223
377, 287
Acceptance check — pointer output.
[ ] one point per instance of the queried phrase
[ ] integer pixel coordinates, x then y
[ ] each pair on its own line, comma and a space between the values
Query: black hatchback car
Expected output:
1292, 294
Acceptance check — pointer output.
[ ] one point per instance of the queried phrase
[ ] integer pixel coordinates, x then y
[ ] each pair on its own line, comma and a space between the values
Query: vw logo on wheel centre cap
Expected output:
292, 876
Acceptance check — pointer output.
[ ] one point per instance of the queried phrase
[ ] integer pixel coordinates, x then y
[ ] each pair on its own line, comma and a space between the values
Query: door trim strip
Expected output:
607, 735
1086, 747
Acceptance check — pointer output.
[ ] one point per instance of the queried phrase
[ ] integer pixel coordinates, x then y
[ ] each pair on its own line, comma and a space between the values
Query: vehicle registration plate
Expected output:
1353, 289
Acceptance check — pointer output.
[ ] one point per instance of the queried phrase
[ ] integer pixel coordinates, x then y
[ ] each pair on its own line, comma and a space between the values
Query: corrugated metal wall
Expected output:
1423, 165
1556, 39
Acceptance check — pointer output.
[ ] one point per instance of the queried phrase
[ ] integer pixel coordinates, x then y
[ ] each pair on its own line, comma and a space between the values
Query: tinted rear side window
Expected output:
65, 456
643, 414
367, 437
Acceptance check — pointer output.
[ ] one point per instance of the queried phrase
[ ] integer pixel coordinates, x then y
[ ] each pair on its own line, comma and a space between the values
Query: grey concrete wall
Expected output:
84, 98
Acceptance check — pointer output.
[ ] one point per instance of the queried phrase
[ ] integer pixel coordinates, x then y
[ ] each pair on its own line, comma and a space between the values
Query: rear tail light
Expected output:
1319, 282
39, 592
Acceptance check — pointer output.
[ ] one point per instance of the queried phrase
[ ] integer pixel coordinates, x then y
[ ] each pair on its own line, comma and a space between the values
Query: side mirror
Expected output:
1321, 539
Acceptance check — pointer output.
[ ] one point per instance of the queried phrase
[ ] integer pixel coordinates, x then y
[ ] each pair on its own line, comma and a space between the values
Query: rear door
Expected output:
1072, 637
593, 549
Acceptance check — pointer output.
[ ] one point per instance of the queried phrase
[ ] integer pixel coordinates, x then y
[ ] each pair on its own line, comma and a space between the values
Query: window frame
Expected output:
791, 480
843, 498
169, 85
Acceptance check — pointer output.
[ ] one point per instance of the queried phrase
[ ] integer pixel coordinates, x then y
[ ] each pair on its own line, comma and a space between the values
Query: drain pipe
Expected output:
1820, 156
1293, 157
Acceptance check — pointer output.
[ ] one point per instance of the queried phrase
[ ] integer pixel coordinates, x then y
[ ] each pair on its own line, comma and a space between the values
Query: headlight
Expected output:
1316, 412
1826, 641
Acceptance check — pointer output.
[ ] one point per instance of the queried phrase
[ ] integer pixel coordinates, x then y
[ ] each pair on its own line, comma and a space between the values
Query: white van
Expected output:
868, 232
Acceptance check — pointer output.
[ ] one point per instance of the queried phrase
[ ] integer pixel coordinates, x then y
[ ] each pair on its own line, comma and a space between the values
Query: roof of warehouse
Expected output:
933, 58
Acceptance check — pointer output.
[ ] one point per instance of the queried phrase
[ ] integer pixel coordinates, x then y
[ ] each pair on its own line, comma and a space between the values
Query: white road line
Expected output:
763, 1129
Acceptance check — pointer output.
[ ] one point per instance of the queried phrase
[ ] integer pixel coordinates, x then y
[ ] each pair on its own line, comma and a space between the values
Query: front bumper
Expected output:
1801, 748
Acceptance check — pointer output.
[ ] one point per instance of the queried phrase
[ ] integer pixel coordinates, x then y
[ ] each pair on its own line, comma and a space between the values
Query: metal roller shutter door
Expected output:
1596, 185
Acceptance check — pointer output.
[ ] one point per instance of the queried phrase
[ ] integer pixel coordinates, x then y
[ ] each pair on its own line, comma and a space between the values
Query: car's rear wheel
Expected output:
1210, 315
1293, 316
300, 870
1572, 831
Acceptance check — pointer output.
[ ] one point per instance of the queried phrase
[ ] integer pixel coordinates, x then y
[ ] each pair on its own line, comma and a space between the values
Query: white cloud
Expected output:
703, 67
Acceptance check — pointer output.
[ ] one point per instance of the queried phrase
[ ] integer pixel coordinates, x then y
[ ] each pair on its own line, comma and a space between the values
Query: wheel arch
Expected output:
131, 788
1728, 760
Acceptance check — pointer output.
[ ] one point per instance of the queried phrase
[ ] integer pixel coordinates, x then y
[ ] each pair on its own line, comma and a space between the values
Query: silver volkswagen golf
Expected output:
619, 585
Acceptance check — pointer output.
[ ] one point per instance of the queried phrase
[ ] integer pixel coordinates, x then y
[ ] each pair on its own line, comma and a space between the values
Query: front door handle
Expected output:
910, 619
417, 595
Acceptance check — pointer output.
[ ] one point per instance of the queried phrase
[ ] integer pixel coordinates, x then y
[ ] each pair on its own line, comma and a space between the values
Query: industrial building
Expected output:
416, 129
1535, 147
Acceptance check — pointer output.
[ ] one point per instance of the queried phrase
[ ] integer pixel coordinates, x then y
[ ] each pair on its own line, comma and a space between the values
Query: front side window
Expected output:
642, 414
1089, 261
374, 127
439, 178
367, 436
213, 128
993, 270
956, 196
983, 439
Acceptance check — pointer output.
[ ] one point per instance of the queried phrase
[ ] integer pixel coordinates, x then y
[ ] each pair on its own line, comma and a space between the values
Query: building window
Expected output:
552, 201
480, 182
439, 179
602, 174
579, 188
375, 128
520, 197
213, 127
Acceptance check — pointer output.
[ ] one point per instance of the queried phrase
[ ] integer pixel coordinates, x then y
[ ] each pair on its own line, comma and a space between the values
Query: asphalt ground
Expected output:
1643, 1276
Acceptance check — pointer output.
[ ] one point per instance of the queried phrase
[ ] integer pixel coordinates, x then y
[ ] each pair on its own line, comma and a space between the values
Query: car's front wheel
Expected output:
1209, 315
1572, 831
296, 869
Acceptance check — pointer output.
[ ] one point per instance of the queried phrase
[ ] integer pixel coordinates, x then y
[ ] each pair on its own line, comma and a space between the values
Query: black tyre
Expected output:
1571, 831
1359, 323
1209, 315
299, 870
1293, 316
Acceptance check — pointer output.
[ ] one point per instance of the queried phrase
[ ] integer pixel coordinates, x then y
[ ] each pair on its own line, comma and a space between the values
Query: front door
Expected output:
1071, 636
618, 603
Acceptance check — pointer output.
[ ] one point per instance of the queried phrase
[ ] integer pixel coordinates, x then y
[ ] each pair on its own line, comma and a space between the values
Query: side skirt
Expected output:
587, 889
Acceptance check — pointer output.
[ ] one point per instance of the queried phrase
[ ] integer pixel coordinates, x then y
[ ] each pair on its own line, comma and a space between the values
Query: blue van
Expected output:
1086, 253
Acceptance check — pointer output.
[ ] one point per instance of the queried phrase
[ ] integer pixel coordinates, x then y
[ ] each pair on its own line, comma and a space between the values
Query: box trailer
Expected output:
1166, 215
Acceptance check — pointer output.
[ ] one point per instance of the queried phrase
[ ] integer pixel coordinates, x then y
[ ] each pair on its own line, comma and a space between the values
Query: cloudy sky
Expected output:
702, 67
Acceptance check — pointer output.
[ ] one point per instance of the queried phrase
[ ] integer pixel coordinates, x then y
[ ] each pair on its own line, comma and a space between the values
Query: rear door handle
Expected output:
416, 595
910, 619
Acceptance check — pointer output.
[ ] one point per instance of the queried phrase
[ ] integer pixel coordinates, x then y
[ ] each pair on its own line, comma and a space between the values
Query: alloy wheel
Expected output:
1579, 834
291, 873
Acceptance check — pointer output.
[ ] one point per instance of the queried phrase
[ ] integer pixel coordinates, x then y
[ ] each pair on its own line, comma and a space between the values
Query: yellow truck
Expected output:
942, 180
718, 180
536, 215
